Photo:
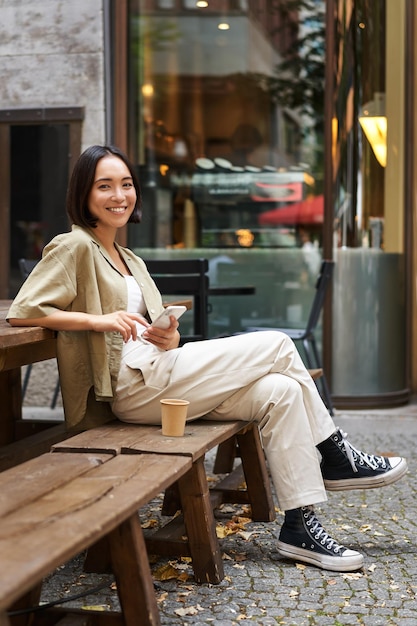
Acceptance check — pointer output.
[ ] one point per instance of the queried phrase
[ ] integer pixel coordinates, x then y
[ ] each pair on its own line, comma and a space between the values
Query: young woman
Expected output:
113, 361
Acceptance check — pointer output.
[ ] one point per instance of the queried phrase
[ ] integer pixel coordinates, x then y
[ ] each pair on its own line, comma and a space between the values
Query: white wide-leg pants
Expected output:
254, 377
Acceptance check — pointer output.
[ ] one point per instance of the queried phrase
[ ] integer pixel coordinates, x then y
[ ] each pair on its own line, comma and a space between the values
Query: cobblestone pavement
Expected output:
261, 587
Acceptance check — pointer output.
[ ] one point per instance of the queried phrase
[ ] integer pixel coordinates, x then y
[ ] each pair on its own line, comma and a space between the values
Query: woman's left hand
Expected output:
163, 338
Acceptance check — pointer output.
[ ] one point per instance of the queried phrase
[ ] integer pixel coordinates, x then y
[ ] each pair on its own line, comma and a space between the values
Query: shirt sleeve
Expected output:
50, 287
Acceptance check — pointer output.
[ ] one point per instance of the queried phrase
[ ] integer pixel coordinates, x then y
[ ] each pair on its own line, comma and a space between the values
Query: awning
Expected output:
309, 211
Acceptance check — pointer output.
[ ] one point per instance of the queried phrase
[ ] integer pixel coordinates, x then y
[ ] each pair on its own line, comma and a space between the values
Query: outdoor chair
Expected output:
185, 277
306, 335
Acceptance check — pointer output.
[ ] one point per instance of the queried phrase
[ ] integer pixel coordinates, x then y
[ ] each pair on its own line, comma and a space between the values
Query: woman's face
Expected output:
112, 197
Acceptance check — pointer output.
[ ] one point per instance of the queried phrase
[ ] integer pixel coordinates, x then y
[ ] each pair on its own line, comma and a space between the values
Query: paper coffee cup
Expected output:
173, 416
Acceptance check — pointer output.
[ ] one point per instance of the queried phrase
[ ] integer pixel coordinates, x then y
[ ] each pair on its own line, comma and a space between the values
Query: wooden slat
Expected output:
316, 373
21, 350
34, 445
20, 335
25, 483
200, 437
45, 533
4, 620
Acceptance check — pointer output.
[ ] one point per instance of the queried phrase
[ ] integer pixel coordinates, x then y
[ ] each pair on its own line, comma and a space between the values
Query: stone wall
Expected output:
41, 385
52, 55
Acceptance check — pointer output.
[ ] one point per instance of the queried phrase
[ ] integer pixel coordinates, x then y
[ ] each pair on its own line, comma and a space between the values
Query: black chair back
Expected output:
26, 266
323, 281
185, 277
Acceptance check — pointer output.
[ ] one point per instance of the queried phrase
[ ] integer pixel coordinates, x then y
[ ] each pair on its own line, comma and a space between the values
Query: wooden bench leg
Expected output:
200, 525
133, 576
257, 479
172, 501
4, 620
225, 456
31, 598
97, 559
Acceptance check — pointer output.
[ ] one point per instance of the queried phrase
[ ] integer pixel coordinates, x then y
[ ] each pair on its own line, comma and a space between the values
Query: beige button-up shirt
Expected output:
77, 274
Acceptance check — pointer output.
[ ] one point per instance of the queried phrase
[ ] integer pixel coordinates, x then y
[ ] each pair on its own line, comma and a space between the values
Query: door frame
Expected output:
73, 116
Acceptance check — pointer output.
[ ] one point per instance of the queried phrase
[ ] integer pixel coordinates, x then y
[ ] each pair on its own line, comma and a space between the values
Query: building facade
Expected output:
267, 135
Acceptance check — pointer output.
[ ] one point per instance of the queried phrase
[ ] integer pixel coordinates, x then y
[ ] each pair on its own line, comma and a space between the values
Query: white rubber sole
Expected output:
351, 562
370, 482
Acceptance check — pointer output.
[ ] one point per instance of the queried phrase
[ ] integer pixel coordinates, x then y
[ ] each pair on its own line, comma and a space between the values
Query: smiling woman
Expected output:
123, 363
86, 174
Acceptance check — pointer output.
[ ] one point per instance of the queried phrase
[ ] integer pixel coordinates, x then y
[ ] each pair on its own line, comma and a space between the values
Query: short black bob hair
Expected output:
81, 183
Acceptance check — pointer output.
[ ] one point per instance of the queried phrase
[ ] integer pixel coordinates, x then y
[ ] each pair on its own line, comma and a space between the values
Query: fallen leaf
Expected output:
189, 610
352, 576
365, 527
162, 596
233, 526
167, 572
150, 523
245, 535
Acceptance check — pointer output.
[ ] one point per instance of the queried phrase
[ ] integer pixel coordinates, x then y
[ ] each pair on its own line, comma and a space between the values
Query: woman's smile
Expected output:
112, 197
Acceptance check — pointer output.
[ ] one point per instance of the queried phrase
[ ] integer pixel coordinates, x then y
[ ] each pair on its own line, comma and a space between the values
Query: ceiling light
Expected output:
374, 124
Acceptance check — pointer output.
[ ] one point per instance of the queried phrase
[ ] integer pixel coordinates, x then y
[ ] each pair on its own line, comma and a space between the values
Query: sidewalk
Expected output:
262, 588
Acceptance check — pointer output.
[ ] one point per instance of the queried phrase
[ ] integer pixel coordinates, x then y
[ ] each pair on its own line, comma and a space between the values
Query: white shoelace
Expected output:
320, 534
373, 461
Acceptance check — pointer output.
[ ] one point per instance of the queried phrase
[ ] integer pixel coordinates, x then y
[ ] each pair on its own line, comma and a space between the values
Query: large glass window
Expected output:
226, 101
368, 155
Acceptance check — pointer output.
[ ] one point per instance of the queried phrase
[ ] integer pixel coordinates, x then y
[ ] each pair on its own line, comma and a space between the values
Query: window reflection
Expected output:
228, 125
368, 175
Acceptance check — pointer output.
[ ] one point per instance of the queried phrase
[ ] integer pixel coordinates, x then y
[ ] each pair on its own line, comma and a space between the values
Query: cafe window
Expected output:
226, 128
369, 295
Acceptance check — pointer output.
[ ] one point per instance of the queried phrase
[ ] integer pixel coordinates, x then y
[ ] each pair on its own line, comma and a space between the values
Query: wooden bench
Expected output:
31, 446
190, 493
55, 506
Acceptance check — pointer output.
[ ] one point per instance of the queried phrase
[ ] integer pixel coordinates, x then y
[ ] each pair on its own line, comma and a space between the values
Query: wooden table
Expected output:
18, 346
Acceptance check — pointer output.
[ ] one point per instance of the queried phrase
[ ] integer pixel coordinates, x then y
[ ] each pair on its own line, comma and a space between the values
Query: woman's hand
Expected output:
163, 338
120, 322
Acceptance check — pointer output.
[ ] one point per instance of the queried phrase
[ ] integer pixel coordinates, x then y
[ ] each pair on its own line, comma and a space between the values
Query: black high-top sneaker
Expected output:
303, 538
344, 467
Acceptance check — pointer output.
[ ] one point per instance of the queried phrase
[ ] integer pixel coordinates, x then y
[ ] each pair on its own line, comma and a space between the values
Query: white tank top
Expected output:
136, 304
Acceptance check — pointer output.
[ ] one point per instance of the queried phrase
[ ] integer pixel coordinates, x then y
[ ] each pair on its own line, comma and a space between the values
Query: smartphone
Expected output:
162, 321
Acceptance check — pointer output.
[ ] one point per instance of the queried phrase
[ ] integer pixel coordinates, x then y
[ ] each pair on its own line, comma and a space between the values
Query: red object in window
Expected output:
309, 211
